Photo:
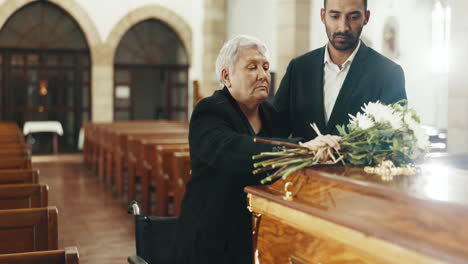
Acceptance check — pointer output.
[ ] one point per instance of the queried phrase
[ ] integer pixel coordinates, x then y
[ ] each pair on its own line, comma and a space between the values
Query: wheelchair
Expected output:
154, 237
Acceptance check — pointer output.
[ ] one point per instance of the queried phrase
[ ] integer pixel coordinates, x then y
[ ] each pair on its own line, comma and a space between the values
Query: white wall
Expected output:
256, 18
318, 37
427, 91
458, 95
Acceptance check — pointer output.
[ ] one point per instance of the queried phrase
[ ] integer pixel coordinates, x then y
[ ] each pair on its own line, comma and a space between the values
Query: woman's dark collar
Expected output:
264, 114
225, 91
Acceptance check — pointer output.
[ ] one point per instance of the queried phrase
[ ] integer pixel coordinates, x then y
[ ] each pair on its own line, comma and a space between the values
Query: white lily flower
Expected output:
383, 114
395, 121
361, 121
409, 120
422, 140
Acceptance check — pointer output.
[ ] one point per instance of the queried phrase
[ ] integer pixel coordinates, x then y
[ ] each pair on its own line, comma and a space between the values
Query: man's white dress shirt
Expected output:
333, 78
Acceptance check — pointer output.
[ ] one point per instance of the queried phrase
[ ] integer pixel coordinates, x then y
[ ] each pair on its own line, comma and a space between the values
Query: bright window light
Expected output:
441, 19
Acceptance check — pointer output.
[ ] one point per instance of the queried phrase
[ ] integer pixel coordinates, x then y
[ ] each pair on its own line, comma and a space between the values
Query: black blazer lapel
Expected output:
340, 111
317, 112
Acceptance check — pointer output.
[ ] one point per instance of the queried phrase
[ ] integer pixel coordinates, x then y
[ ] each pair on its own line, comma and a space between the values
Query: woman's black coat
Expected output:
215, 225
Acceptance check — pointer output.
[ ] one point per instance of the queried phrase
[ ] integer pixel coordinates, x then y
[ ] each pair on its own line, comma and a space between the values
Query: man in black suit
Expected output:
328, 84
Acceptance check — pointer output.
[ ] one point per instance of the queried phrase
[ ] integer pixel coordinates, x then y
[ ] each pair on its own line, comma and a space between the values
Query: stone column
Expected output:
458, 84
214, 32
102, 80
293, 28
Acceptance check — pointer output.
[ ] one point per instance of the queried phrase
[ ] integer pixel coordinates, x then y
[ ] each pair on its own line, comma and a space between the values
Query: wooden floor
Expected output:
89, 217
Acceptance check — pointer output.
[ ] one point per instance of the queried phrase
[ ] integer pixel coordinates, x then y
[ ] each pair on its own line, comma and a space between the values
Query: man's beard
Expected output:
350, 44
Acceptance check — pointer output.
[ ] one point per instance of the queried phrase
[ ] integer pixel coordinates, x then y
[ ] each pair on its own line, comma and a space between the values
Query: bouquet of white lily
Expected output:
380, 133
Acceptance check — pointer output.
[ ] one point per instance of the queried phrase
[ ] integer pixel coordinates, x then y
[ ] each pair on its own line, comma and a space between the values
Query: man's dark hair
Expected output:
325, 4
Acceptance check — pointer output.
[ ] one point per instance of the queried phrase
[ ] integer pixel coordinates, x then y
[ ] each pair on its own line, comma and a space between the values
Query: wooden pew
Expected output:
7, 124
15, 162
16, 196
141, 147
180, 163
32, 229
121, 155
163, 176
109, 137
19, 176
11, 136
87, 143
68, 256
15, 150
143, 150
98, 136
115, 159
11, 139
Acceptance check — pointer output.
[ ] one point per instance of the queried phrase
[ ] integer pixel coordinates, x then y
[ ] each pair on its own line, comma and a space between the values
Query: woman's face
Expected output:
249, 82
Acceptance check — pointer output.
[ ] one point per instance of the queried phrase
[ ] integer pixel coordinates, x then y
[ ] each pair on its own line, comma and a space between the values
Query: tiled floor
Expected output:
89, 216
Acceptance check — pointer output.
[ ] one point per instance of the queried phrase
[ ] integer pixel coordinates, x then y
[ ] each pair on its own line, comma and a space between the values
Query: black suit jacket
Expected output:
215, 225
299, 99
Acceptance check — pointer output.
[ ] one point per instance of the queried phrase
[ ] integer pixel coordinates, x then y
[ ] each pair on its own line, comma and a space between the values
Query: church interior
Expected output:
95, 105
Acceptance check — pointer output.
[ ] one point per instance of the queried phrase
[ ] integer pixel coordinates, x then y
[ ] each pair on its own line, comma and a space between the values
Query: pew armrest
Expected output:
136, 260
119, 154
71, 255
147, 166
131, 158
68, 256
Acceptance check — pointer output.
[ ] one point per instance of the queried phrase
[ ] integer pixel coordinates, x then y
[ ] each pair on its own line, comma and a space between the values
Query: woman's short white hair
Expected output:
230, 52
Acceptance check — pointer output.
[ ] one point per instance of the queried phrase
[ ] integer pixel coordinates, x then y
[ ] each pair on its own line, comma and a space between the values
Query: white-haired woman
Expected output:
215, 225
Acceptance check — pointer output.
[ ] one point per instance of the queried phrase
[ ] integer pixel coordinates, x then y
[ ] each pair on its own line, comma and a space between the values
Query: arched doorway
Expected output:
151, 74
45, 70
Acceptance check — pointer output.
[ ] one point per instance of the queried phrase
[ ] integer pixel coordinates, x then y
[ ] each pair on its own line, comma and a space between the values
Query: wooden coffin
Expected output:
344, 215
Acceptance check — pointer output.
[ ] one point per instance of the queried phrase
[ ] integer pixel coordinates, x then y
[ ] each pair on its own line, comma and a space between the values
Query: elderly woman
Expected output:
215, 225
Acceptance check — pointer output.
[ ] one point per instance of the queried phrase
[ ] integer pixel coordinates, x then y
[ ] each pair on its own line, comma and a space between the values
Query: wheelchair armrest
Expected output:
136, 260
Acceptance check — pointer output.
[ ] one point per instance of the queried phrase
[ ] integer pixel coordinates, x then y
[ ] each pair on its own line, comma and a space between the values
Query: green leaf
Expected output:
341, 130
357, 157
402, 102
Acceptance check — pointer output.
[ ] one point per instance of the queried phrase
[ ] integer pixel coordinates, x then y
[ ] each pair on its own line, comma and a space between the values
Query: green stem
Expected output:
270, 154
257, 171
287, 162
278, 143
296, 168
265, 163
273, 176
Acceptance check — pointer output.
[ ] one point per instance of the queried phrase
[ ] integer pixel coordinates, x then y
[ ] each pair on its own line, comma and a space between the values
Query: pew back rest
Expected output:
15, 162
68, 256
164, 155
28, 230
14, 150
16, 196
19, 176
180, 163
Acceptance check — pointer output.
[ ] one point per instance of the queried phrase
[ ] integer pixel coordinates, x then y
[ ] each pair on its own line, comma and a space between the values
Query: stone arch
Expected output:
165, 15
8, 8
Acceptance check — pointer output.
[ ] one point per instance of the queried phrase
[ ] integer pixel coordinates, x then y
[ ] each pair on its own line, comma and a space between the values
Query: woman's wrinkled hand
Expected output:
322, 141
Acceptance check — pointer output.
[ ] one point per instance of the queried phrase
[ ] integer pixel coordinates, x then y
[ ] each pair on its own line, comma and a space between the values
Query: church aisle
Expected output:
89, 216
